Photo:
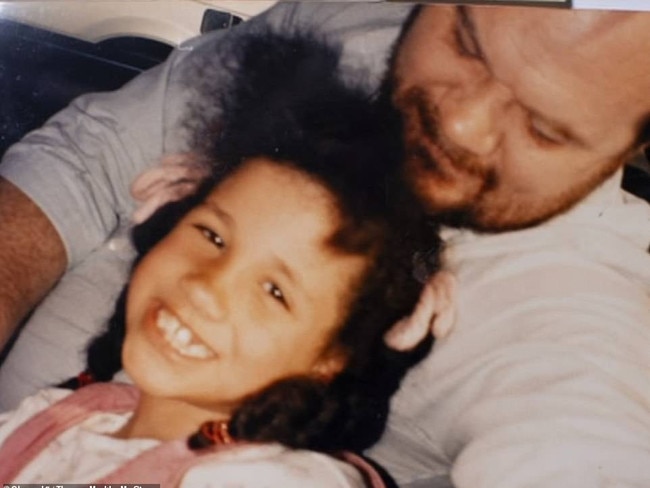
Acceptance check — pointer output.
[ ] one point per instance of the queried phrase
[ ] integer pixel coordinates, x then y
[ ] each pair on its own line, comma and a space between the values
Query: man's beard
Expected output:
451, 186
460, 189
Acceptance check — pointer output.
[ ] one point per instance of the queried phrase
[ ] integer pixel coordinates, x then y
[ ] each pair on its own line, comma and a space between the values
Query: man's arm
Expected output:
32, 257
78, 169
65, 186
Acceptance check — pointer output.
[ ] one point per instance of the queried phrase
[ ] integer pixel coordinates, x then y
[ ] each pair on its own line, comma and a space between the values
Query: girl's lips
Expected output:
180, 338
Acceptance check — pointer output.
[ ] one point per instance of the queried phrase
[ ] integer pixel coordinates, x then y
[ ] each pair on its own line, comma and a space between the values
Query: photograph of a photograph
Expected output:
321, 244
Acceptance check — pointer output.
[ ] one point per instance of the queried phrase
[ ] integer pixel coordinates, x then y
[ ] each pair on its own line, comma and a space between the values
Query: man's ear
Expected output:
331, 363
434, 313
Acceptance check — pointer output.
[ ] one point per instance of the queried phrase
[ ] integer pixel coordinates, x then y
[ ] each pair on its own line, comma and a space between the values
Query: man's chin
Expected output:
478, 213
469, 219
452, 215
494, 219
445, 200
440, 189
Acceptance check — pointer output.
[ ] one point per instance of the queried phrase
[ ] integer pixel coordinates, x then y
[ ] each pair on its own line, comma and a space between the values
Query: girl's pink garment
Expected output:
164, 464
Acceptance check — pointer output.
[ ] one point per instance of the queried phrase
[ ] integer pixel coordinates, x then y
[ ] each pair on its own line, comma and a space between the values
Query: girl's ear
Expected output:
331, 363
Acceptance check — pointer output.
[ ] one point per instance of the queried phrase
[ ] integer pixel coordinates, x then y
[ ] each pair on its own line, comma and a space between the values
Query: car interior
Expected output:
41, 71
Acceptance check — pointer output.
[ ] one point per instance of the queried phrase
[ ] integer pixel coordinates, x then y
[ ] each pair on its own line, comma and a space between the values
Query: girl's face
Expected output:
242, 292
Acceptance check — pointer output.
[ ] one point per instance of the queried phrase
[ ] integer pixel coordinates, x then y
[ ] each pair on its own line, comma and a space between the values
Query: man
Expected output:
511, 116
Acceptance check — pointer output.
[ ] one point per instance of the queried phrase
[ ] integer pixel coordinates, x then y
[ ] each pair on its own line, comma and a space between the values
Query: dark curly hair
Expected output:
286, 103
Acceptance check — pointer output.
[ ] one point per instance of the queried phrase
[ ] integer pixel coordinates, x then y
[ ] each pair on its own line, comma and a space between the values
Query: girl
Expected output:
253, 322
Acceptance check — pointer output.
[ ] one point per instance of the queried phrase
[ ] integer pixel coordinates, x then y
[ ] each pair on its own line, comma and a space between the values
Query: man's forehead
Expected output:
563, 26
595, 62
608, 50
598, 58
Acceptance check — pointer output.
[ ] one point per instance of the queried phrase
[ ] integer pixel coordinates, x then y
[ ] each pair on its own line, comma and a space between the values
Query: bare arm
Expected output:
32, 257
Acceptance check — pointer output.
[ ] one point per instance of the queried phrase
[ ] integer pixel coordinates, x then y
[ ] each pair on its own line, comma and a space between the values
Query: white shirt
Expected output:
545, 379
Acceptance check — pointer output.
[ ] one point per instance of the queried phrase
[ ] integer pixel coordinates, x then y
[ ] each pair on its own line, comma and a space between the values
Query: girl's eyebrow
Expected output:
286, 271
294, 279
219, 212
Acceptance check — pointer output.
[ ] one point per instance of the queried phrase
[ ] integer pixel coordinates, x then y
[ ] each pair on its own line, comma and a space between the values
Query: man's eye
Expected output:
275, 292
465, 43
545, 134
211, 236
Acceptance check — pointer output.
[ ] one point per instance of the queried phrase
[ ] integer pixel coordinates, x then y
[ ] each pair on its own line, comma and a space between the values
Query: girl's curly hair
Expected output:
286, 103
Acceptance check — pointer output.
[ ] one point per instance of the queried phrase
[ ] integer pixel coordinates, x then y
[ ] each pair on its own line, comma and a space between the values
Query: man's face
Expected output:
514, 114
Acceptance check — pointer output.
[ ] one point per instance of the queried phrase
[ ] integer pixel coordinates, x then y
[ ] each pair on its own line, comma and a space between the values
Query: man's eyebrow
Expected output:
467, 23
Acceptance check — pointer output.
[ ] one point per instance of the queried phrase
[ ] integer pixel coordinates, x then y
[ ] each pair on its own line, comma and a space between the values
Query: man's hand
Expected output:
434, 314
32, 257
177, 176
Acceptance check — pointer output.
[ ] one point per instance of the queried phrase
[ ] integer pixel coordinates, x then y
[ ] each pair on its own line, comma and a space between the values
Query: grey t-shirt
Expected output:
79, 166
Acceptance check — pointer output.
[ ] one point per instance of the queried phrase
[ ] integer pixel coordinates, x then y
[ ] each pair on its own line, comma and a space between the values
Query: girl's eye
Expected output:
274, 291
211, 236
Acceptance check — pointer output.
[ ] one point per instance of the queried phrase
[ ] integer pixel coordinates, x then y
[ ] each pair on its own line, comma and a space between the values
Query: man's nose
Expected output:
472, 115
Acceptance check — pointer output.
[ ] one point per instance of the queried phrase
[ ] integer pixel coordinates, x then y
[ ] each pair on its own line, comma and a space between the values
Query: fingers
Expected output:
434, 313
409, 331
444, 320
154, 179
176, 176
147, 208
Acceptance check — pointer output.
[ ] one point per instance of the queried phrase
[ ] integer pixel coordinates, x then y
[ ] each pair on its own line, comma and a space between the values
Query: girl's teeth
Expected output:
197, 351
180, 337
183, 336
167, 322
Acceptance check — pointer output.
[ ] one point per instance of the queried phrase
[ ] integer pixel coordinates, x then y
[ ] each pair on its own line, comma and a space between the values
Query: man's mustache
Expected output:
414, 104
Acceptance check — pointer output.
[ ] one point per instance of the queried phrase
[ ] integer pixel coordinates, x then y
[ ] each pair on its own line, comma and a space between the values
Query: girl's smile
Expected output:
244, 291
177, 335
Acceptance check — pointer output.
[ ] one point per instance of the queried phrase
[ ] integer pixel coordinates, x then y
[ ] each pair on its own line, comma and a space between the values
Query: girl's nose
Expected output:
207, 294
472, 116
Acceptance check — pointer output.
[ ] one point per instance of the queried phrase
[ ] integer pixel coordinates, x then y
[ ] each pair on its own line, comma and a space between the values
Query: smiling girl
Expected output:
253, 323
